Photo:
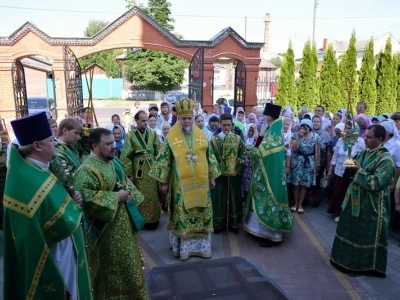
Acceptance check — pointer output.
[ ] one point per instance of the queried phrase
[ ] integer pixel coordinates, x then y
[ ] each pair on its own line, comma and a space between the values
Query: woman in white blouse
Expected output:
340, 183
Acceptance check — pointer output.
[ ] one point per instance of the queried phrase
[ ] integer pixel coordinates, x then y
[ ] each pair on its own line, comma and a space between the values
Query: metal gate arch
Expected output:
240, 86
73, 83
19, 88
196, 76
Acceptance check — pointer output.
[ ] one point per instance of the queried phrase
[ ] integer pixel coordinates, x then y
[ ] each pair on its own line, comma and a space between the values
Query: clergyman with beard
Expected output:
108, 196
186, 160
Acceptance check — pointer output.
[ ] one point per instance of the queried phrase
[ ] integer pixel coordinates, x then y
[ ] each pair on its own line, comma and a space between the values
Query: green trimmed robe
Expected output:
137, 156
267, 213
115, 253
230, 156
38, 219
361, 239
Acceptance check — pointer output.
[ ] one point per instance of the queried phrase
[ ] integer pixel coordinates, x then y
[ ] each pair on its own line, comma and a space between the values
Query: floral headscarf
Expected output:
367, 121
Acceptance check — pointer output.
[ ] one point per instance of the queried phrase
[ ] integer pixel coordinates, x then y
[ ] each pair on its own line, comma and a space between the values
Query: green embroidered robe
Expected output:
36, 217
230, 152
115, 257
192, 222
362, 233
137, 156
67, 159
268, 190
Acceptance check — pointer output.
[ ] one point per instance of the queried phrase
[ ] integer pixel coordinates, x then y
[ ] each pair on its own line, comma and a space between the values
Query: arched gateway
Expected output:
134, 29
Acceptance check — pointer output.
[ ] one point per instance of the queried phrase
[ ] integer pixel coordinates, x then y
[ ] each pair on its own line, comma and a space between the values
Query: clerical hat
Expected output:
272, 110
184, 107
30, 129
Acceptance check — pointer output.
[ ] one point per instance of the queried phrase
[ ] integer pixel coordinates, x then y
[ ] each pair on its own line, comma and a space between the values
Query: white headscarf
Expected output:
391, 128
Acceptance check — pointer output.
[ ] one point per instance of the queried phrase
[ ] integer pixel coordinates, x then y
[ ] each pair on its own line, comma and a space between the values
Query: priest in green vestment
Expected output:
187, 162
140, 148
44, 243
267, 213
230, 151
361, 241
108, 196
67, 159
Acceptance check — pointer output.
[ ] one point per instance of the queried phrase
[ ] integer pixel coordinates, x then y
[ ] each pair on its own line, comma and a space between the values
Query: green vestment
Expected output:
137, 156
268, 192
362, 233
115, 257
67, 159
230, 152
36, 217
194, 221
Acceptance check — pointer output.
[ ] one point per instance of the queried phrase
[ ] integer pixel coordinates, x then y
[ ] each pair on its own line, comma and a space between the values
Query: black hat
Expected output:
30, 129
272, 110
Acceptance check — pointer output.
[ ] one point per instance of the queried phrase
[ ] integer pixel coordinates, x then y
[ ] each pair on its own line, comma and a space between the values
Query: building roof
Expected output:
93, 65
266, 65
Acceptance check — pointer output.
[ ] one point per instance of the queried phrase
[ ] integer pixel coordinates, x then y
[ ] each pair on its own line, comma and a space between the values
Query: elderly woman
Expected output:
364, 122
304, 163
326, 155
119, 136
341, 182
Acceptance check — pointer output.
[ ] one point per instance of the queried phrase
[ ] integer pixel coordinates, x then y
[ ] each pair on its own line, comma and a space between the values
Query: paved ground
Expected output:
300, 266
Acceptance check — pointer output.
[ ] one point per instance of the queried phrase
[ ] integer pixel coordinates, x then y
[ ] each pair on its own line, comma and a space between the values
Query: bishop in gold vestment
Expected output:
187, 161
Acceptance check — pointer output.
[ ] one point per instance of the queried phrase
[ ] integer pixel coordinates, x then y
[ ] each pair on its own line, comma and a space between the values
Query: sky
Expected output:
291, 20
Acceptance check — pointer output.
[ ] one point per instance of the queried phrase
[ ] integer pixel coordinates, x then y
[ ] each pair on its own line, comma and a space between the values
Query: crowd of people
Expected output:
82, 205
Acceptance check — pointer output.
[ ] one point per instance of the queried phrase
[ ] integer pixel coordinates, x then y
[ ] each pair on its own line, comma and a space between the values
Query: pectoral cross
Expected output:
201, 141
177, 143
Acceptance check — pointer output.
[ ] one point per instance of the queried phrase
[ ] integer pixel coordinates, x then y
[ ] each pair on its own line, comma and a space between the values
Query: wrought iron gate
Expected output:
196, 76
19, 87
240, 86
73, 83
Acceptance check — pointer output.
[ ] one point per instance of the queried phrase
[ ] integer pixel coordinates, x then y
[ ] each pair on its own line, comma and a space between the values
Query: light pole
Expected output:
314, 20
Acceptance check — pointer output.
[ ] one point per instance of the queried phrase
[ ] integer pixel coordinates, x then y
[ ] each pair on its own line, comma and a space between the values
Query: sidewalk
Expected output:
300, 266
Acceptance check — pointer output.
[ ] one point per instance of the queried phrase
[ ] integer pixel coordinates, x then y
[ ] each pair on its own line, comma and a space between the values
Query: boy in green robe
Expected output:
44, 246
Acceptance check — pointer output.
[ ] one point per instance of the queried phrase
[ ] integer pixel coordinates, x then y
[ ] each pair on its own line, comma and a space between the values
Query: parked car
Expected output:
39, 104
171, 98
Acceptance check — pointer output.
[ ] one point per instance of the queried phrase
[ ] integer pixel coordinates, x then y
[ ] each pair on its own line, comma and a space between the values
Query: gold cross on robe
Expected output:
177, 143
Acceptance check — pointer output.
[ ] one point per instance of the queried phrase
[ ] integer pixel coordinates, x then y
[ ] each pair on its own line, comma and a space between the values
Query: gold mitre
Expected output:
184, 107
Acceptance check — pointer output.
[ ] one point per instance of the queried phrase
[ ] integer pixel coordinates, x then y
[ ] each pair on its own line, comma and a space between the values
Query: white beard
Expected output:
187, 130
263, 128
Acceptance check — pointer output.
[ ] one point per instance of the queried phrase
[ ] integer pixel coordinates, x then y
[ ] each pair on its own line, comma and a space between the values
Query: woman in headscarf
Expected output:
88, 116
325, 156
165, 128
364, 122
240, 120
115, 119
304, 163
119, 137
199, 121
152, 124
392, 144
339, 182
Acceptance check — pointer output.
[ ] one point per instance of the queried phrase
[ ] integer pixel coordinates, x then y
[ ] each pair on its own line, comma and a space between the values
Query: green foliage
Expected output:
367, 79
329, 88
307, 85
276, 61
286, 93
105, 59
385, 81
157, 70
348, 71
396, 66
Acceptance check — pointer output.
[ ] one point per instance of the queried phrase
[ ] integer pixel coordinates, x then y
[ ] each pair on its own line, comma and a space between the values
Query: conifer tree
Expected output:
286, 93
385, 81
329, 91
307, 84
367, 79
348, 70
396, 66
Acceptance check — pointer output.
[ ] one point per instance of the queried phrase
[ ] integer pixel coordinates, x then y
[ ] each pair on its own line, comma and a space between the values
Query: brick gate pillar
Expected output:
208, 73
251, 86
7, 105
58, 68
